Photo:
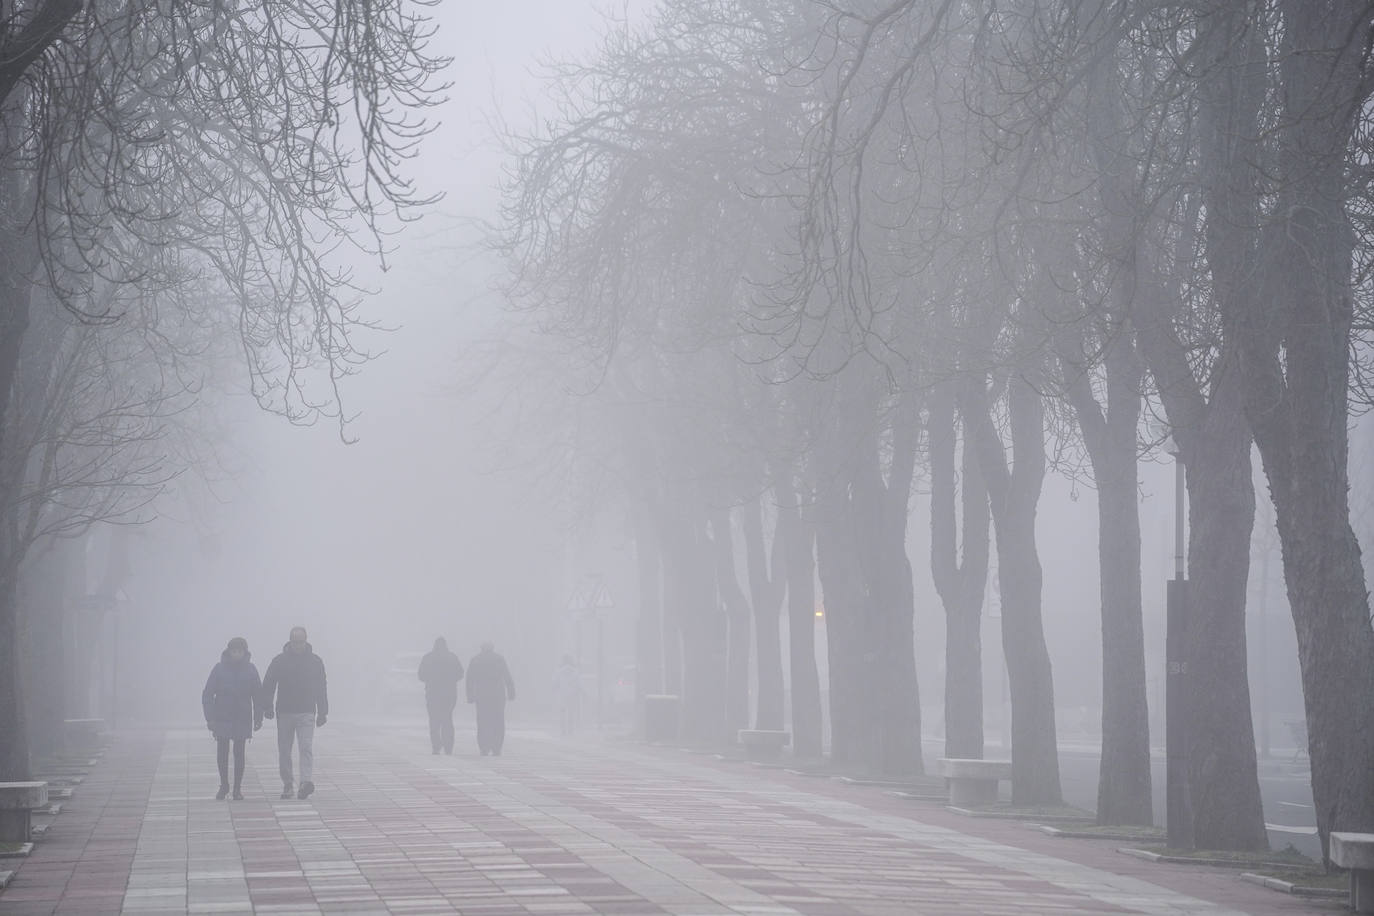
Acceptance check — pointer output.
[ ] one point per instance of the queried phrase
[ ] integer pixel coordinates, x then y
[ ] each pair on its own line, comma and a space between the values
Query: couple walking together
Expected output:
235, 702
489, 686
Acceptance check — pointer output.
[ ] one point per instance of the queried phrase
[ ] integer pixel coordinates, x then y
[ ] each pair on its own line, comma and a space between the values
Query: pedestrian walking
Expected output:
232, 713
297, 678
567, 695
489, 686
441, 671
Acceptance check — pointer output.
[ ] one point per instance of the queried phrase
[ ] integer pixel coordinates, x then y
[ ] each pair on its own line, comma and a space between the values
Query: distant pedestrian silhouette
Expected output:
441, 671
567, 695
489, 686
232, 712
297, 678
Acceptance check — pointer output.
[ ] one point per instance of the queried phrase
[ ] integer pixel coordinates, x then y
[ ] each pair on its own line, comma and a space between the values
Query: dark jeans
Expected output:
441, 721
491, 725
222, 758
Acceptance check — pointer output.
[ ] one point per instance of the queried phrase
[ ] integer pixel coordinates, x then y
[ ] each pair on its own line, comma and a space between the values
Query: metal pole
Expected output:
114, 674
1180, 510
1178, 807
600, 672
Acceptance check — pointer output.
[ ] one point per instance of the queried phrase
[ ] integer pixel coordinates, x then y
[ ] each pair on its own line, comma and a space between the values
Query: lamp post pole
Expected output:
1178, 810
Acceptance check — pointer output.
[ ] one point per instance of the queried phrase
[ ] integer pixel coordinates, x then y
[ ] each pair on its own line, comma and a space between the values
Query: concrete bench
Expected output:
82, 734
17, 802
973, 782
1355, 851
763, 743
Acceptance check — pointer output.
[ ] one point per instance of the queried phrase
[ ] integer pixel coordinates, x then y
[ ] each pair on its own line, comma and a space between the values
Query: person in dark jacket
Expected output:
231, 711
489, 687
441, 671
297, 678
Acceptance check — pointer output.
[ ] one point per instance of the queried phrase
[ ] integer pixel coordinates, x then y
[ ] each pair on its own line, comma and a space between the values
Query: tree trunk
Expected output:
799, 555
649, 621
690, 584
960, 585
1223, 778
14, 744
43, 587
737, 613
896, 691
848, 666
1279, 247
766, 585
1124, 790
1214, 442
1013, 495
1297, 382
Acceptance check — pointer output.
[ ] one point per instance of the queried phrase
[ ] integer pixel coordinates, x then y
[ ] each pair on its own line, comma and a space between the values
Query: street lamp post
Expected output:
1178, 808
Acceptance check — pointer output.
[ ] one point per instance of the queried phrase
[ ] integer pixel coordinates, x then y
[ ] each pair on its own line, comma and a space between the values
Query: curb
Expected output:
1149, 856
1085, 835
916, 796
20, 853
5, 878
1011, 816
1297, 890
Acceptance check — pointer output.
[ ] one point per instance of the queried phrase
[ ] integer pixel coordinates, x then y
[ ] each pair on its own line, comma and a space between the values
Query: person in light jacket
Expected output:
297, 678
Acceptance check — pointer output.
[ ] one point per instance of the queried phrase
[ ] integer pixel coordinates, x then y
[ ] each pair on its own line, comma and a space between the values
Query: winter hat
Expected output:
238, 642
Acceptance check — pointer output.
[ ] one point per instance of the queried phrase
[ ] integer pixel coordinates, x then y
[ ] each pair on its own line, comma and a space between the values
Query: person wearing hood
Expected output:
489, 687
441, 671
232, 712
297, 678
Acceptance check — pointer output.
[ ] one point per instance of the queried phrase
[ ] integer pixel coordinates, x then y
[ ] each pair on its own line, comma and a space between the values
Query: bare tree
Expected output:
144, 147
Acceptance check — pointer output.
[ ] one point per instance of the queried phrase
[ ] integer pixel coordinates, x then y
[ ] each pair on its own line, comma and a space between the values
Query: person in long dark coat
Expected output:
231, 711
489, 686
441, 671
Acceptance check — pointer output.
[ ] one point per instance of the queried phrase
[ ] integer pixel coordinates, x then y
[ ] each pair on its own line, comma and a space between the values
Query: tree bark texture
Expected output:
1014, 493
1124, 793
866, 578
961, 585
1213, 438
1280, 247
649, 621
767, 584
43, 599
739, 624
14, 739
799, 556
690, 588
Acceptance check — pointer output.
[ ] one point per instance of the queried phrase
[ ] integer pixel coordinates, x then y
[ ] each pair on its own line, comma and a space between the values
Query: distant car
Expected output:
402, 691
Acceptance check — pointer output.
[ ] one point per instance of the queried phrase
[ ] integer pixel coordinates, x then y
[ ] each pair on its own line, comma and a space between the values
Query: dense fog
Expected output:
686, 296
420, 526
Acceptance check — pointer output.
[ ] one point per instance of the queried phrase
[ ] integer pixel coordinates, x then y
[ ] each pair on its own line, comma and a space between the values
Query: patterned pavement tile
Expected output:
560, 828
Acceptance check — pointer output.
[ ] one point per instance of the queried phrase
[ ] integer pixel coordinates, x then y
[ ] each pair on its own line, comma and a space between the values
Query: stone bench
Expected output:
973, 782
82, 734
17, 801
1355, 851
763, 743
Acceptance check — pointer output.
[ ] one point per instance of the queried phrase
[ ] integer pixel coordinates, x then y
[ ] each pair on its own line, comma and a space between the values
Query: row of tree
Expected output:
796, 261
176, 181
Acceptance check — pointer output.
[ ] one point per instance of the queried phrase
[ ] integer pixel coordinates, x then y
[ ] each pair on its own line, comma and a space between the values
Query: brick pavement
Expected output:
559, 828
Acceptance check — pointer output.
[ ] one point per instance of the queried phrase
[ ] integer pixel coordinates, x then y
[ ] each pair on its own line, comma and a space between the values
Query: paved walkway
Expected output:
560, 828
